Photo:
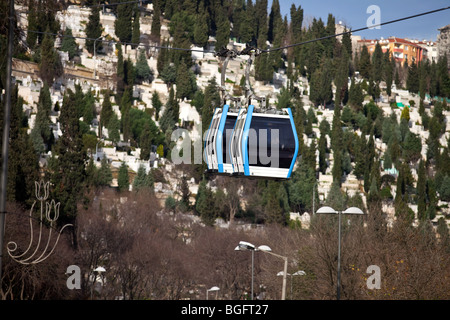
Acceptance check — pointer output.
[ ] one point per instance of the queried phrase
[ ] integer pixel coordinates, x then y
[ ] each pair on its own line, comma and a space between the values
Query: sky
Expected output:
353, 13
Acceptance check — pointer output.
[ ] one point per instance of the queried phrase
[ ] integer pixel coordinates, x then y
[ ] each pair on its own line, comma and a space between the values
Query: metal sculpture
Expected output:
38, 255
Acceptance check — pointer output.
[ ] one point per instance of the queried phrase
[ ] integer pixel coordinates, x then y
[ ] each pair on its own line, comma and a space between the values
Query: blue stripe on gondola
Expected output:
248, 120
231, 139
219, 137
206, 139
294, 131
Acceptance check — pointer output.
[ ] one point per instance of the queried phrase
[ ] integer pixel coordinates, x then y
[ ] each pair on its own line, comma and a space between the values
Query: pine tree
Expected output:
68, 44
204, 203
104, 174
185, 194
140, 179
143, 71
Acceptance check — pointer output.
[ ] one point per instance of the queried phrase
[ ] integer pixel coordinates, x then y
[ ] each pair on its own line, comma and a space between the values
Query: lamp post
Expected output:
329, 210
95, 57
212, 289
99, 271
268, 250
297, 273
244, 246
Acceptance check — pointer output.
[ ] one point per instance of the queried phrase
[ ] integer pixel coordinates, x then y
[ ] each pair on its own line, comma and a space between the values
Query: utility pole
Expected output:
6, 125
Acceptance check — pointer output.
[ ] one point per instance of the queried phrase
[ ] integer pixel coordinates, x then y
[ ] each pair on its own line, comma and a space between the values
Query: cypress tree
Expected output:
68, 169
156, 21
32, 25
23, 166
123, 180
183, 82
50, 66
94, 31
377, 63
247, 26
365, 68
223, 30
146, 142
201, 30
123, 25
347, 42
274, 20
107, 111
136, 33
156, 104
421, 192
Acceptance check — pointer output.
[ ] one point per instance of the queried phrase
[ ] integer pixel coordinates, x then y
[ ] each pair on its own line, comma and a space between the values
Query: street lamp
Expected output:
98, 270
95, 57
329, 210
212, 289
268, 250
244, 246
297, 273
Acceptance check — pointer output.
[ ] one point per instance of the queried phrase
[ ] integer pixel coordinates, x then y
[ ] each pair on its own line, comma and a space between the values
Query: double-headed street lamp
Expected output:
245, 246
212, 289
297, 273
329, 210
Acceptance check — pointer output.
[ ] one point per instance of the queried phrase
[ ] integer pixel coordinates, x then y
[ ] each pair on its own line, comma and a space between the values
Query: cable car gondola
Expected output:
264, 144
221, 126
250, 142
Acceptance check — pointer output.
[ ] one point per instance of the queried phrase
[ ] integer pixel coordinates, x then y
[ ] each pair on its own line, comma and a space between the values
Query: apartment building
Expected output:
402, 49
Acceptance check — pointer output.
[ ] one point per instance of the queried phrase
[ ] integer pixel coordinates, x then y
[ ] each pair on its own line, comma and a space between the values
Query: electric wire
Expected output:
258, 51
357, 30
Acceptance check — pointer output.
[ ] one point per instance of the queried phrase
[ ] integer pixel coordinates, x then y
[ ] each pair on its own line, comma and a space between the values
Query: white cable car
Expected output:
263, 144
221, 126
250, 142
